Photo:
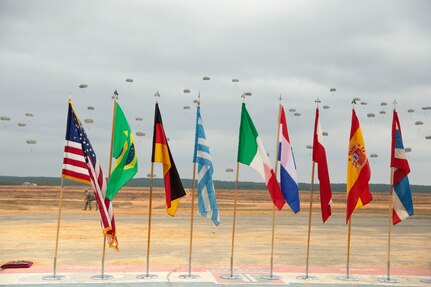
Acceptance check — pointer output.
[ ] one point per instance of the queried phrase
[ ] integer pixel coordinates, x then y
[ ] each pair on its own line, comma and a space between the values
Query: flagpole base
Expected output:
231, 277
388, 280
270, 277
347, 278
102, 277
147, 276
307, 277
54, 277
426, 281
189, 276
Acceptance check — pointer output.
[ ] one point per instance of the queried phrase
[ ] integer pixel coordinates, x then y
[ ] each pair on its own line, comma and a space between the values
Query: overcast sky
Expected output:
377, 51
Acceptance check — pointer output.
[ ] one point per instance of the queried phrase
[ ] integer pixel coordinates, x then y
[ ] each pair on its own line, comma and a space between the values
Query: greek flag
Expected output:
207, 202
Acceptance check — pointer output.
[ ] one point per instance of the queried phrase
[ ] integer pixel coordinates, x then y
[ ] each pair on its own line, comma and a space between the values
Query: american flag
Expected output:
80, 164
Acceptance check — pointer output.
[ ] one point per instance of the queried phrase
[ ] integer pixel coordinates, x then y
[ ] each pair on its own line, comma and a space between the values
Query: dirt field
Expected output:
29, 218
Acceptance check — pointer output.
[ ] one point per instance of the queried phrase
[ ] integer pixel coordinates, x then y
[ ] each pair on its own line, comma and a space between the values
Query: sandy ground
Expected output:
28, 218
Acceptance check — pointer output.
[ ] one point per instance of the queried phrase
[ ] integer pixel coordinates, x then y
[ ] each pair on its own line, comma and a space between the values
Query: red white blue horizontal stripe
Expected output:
401, 196
288, 177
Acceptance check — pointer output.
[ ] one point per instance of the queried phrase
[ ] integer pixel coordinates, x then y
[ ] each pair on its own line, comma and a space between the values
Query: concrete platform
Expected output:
208, 278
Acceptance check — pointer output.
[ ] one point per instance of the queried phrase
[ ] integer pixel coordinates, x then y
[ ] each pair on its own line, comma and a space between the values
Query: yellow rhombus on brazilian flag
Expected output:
123, 150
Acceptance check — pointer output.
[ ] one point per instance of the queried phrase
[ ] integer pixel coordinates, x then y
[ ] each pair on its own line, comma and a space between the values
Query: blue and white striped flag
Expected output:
207, 202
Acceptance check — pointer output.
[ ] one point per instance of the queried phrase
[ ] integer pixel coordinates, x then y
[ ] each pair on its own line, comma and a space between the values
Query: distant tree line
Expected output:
219, 184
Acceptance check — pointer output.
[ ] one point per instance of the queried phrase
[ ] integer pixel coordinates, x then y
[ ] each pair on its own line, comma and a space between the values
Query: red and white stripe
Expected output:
74, 165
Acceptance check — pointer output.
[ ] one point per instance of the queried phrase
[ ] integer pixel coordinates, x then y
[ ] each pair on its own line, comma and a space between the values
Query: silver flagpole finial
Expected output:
317, 101
115, 95
354, 102
395, 103
279, 98
157, 95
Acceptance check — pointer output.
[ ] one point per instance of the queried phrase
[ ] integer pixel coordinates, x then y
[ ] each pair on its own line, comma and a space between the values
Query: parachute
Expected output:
364, 103
371, 115
383, 103
129, 80
309, 147
28, 114
89, 121
5, 118
374, 155
91, 108
139, 119
31, 141
248, 94
229, 170
297, 114
206, 78
22, 124
382, 112
235, 80
419, 123
410, 110
332, 89
292, 110
83, 86
428, 137
326, 107
186, 91
140, 134
325, 134
186, 107
408, 149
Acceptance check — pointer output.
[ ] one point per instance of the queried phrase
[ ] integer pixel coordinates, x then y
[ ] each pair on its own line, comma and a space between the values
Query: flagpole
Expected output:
55, 276
310, 212
231, 276
189, 275
102, 276
348, 277
277, 151
388, 278
147, 274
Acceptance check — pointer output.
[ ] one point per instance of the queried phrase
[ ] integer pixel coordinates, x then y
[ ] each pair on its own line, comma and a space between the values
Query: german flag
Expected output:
174, 189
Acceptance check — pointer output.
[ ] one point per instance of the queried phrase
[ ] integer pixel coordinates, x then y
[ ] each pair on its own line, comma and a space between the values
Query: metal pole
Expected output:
348, 277
388, 278
189, 275
231, 276
55, 276
310, 212
277, 147
147, 274
103, 276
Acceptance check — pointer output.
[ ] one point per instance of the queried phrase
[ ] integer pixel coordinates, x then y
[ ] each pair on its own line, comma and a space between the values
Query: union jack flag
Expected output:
80, 164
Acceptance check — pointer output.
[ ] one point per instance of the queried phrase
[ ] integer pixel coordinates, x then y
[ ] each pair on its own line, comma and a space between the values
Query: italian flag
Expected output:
251, 152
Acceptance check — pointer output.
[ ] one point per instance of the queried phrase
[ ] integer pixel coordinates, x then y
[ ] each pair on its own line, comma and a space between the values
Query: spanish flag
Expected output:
174, 189
358, 170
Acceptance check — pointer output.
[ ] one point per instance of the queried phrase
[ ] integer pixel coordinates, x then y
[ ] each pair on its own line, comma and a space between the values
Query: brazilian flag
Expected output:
123, 150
